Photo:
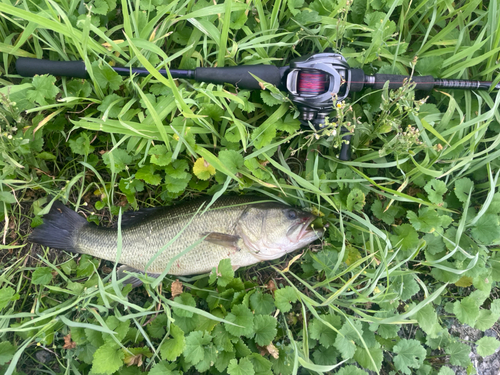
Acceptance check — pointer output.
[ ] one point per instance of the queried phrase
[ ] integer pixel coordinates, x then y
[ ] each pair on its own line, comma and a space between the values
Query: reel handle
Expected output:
345, 148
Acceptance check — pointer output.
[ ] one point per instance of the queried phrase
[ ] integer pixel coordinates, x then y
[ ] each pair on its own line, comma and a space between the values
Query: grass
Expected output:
412, 245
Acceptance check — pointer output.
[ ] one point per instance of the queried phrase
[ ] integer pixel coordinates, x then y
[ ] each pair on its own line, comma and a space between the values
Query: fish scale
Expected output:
244, 229
141, 241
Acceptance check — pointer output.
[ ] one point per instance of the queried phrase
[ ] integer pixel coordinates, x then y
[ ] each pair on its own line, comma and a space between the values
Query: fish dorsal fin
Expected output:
131, 218
222, 239
124, 271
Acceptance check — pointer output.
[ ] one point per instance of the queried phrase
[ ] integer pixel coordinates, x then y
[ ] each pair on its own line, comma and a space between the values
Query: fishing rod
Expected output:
315, 83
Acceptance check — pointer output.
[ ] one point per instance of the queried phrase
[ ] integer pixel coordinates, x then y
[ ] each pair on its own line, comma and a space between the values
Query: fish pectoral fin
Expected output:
124, 271
223, 239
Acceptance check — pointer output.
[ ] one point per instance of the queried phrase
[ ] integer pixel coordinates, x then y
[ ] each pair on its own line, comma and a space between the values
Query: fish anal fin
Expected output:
223, 239
125, 271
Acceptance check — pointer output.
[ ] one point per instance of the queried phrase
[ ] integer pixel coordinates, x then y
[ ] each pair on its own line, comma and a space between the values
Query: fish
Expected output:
245, 229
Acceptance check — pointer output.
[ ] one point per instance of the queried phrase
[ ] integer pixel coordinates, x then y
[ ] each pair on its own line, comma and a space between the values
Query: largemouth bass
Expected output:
239, 228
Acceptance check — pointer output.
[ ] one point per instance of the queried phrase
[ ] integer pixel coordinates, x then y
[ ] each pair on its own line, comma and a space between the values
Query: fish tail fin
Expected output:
59, 229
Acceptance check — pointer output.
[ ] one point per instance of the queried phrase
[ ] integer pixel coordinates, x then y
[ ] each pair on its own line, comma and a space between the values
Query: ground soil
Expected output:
484, 366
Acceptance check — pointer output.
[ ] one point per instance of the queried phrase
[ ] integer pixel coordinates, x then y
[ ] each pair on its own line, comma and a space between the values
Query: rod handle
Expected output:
28, 67
396, 81
240, 75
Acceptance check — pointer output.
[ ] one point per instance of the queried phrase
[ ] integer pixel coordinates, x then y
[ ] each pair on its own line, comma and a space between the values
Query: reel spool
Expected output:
312, 82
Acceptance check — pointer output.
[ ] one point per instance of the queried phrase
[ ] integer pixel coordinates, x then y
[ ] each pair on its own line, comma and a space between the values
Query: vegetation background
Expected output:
412, 245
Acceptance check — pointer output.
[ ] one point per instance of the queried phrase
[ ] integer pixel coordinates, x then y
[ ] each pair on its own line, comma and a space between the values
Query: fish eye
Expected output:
291, 214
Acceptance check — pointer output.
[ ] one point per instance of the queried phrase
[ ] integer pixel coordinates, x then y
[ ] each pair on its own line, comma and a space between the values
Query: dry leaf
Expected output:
294, 259
133, 360
262, 350
271, 349
176, 288
271, 285
68, 344
109, 47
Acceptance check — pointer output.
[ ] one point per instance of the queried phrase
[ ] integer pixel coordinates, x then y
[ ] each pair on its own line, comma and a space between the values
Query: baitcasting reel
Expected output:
313, 82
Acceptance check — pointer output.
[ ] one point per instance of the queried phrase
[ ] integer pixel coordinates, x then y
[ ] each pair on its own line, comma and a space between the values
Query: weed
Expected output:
414, 217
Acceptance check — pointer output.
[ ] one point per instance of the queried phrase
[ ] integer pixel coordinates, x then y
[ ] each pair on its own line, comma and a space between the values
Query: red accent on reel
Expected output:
312, 82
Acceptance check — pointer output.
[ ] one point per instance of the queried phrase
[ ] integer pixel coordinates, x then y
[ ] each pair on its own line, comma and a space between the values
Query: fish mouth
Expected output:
306, 229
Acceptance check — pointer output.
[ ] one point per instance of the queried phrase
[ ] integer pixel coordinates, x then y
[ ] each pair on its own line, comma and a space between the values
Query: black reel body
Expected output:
316, 83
